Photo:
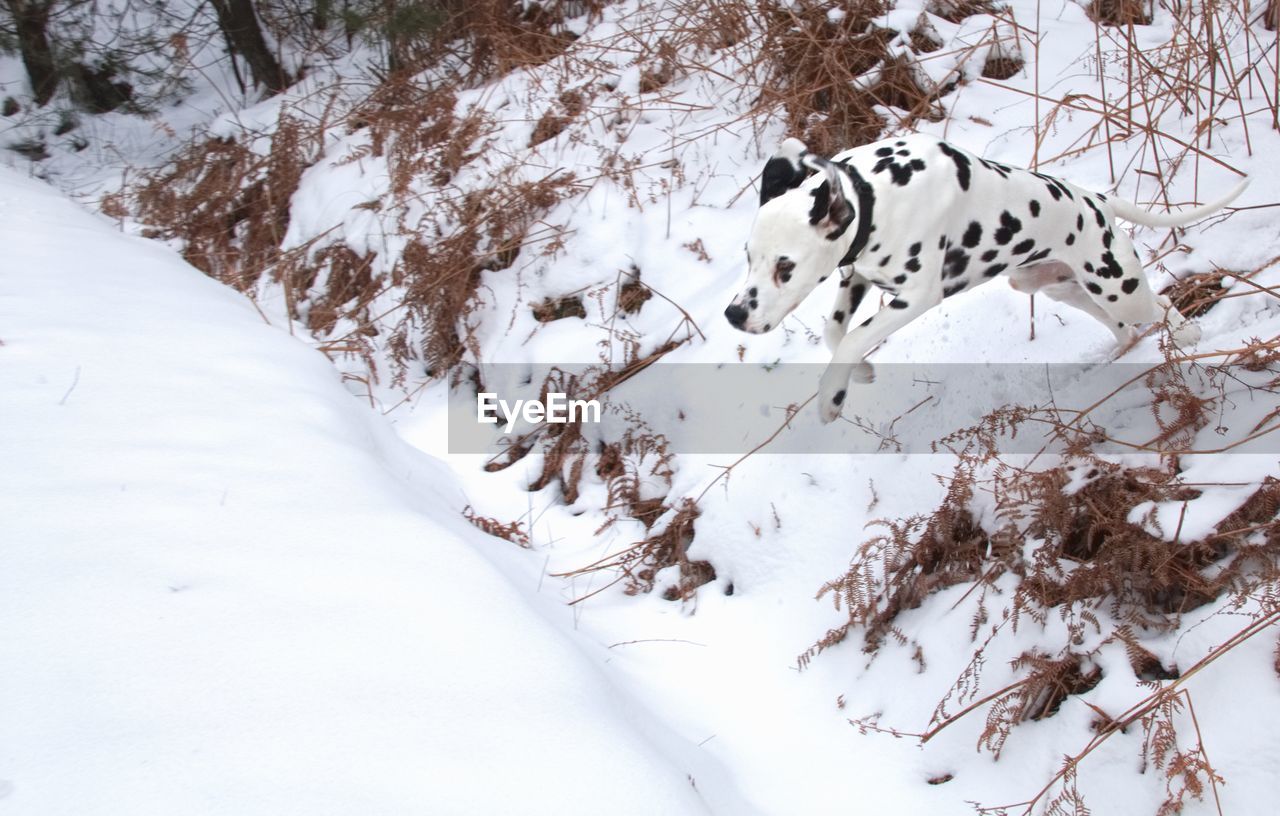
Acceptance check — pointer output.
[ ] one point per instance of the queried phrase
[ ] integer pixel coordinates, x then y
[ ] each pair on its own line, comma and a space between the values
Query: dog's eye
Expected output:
782, 270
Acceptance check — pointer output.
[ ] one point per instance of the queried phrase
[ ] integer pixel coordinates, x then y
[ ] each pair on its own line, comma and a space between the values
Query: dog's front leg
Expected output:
852, 288
847, 362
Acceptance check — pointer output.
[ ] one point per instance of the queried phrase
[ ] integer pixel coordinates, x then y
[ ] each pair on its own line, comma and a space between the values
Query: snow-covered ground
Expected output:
229, 586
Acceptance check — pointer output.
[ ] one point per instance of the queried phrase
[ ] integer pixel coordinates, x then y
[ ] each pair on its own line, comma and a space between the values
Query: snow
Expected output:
231, 587
228, 588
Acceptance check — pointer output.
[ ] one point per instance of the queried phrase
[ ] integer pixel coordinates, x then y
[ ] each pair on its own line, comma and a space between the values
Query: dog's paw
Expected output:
863, 373
832, 390
830, 408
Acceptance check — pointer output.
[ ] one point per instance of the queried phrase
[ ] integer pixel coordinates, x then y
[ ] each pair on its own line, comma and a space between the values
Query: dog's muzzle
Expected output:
736, 315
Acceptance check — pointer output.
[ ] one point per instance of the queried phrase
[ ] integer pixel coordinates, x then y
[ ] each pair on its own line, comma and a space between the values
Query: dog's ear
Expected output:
784, 171
831, 211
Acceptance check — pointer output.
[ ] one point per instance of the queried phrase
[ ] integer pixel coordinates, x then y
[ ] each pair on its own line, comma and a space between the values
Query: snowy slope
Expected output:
722, 667
226, 588
251, 477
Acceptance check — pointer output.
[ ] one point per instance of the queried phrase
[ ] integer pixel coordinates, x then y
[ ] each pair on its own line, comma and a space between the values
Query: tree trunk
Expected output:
240, 26
31, 22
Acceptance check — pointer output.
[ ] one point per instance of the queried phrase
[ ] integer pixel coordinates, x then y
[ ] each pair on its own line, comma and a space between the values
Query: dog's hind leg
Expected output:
1120, 288
848, 355
1073, 294
852, 289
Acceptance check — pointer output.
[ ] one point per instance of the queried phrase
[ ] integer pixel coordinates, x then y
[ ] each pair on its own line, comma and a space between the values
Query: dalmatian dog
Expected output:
924, 220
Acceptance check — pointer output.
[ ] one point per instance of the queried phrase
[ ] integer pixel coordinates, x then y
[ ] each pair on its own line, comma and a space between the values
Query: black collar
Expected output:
866, 203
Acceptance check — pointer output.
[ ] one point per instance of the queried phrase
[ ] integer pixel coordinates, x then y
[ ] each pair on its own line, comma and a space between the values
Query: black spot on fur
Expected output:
1035, 208
990, 255
875, 248
954, 288
914, 249
1088, 267
994, 270
900, 172
1023, 247
1036, 257
838, 399
1113, 298
1055, 187
898, 304
885, 260
855, 297
1009, 226
955, 263
942, 242
900, 279
963, 165
752, 292
845, 282
904, 153
1071, 238
973, 235
1093, 288
1107, 238
867, 322
1097, 213
838, 316
1129, 285
1109, 268
997, 168
753, 303
1079, 221
884, 151
912, 264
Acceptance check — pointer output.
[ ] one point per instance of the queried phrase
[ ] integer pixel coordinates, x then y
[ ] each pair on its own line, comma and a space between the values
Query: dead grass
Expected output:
349, 289
482, 39
512, 531
1083, 546
1121, 12
812, 65
553, 309
226, 205
1195, 295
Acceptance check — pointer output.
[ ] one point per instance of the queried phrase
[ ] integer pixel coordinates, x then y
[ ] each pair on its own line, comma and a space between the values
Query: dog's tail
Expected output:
1137, 215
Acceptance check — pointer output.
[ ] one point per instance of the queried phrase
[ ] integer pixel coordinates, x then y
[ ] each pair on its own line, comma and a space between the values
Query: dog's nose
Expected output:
736, 315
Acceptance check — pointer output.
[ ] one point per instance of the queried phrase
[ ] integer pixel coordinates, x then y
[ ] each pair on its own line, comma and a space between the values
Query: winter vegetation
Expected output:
262, 258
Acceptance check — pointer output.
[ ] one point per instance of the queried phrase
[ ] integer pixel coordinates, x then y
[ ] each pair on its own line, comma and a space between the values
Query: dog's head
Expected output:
796, 241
